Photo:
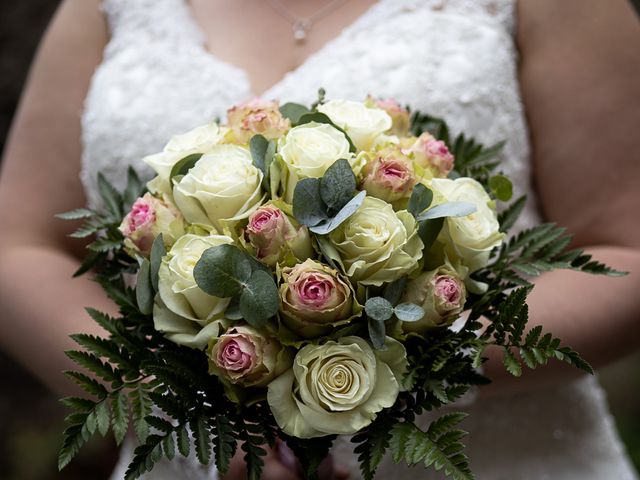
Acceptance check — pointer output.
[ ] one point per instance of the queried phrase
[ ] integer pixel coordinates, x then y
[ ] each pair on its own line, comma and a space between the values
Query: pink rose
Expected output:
148, 218
389, 176
432, 155
400, 117
275, 238
247, 357
315, 298
441, 293
254, 117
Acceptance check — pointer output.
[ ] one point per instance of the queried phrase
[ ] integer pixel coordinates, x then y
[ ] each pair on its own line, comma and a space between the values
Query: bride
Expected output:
147, 69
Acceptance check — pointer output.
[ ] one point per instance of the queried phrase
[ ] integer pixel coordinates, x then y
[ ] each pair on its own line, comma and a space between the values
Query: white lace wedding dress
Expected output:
453, 58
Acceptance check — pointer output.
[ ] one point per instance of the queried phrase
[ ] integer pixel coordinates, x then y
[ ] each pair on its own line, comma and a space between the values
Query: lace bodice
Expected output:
452, 58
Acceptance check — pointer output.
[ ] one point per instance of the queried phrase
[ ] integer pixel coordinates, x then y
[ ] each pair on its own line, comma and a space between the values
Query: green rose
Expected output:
306, 151
376, 244
199, 140
336, 388
182, 311
314, 299
223, 185
469, 239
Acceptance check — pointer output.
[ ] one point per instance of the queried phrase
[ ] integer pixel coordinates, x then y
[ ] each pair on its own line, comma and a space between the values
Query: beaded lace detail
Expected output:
452, 58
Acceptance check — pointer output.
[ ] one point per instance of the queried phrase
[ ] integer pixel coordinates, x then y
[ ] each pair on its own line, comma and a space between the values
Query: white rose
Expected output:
199, 140
363, 124
307, 151
182, 311
471, 238
223, 185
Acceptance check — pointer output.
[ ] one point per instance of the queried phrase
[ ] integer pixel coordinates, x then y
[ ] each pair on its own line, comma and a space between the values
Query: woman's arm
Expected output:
40, 303
580, 81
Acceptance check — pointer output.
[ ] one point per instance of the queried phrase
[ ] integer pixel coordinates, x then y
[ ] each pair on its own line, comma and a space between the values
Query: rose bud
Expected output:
254, 117
441, 293
246, 357
314, 299
432, 154
275, 238
389, 176
400, 117
148, 218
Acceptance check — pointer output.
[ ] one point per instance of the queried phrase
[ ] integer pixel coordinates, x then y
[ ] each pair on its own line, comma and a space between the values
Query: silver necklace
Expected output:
301, 26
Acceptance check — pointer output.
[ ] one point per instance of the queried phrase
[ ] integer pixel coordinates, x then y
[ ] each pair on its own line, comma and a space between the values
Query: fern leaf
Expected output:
202, 439
88, 384
120, 417
224, 442
141, 406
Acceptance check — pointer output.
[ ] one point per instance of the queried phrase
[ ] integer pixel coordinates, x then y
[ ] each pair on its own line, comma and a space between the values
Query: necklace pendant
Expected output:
300, 29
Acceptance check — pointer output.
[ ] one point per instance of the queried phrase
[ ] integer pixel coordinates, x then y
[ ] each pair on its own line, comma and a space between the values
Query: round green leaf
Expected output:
183, 166
144, 290
378, 308
157, 252
420, 199
338, 185
259, 300
308, 207
377, 333
501, 187
258, 146
409, 312
349, 209
449, 209
293, 111
222, 271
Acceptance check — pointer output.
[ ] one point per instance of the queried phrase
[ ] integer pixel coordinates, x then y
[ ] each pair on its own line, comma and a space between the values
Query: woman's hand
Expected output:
281, 464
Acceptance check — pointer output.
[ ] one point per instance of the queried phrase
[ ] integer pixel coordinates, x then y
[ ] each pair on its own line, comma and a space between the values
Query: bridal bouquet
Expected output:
301, 273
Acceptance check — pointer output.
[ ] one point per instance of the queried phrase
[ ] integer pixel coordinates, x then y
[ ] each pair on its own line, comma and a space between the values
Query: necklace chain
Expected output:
301, 26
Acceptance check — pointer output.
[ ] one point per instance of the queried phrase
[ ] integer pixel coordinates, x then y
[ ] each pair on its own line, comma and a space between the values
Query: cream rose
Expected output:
363, 124
469, 239
199, 140
182, 311
389, 176
376, 244
307, 151
223, 185
337, 387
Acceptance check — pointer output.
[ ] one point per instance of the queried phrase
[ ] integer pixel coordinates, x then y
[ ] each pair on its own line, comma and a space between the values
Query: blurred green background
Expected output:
30, 417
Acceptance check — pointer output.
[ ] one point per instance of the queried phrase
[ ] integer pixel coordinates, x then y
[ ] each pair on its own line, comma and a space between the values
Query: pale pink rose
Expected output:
148, 218
441, 294
389, 176
432, 155
254, 117
314, 299
275, 238
400, 116
448, 292
247, 357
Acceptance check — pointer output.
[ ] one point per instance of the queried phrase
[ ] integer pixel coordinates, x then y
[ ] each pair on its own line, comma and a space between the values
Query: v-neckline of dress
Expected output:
203, 45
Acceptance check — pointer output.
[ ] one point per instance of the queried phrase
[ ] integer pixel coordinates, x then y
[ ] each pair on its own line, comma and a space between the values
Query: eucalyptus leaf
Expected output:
258, 146
259, 300
222, 271
409, 312
349, 209
501, 187
157, 252
144, 290
293, 111
377, 333
183, 166
428, 231
233, 310
268, 160
394, 290
449, 209
421, 198
378, 308
338, 185
308, 207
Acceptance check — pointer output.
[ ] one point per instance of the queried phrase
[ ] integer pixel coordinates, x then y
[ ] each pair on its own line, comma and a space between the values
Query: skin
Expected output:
579, 75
